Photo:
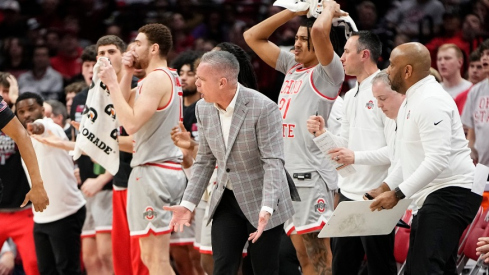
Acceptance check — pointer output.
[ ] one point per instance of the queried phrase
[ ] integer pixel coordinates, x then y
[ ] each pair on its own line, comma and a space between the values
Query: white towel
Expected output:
293, 5
99, 127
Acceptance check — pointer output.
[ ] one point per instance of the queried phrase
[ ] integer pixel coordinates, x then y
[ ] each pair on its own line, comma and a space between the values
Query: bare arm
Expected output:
257, 36
125, 144
37, 195
321, 29
154, 91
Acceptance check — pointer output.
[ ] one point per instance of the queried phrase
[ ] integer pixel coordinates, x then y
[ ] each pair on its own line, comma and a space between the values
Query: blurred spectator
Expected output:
88, 59
52, 41
465, 36
204, 45
16, 61
476, 72
72, 90
212, 28
409, 17
50, 15
12, 24
475, 113
42, 79
481, 8
59, 114
367, 15
476, 75
67, 62
34, 32
182, 40
449, 61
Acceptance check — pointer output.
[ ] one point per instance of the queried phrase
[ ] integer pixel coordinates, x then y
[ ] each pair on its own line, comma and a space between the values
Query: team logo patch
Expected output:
109, 110
149, 213
91, 113
369, 104
320, 205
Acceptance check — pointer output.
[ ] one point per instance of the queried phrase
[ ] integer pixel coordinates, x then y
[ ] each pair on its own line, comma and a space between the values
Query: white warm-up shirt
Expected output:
57, 173
431, 150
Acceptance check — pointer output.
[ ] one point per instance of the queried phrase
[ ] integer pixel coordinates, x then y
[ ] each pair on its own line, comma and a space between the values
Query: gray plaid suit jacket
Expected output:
253, 160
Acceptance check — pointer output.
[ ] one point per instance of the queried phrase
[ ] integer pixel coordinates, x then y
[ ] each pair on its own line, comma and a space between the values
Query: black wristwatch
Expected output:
399, 194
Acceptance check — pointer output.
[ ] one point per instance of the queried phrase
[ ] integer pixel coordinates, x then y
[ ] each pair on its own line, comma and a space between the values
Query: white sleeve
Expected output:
373, 157
436, 142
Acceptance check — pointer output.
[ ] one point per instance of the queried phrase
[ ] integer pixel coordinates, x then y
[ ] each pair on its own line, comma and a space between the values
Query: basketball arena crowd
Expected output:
193, 137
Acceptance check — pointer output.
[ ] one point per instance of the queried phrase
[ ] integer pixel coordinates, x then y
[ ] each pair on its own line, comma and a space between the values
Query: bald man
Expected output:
433, 165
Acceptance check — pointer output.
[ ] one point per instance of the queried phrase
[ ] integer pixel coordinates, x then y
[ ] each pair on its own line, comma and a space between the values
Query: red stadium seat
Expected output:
401, 242
477, 229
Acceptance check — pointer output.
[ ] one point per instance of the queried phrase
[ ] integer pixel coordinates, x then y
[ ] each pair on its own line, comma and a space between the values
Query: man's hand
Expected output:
483, 248
76, 125
386, 200
37, 195
474, 155
13, 91
181, 216
181, 138
107, 74
342, 155
7, 263
333, 7
262, 222
35, 128
91, 187
315, 125
50, 139
128, 60
377, 191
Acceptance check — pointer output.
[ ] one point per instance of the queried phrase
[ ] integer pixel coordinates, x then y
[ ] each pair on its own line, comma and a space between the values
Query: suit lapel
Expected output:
216, 121
239, 116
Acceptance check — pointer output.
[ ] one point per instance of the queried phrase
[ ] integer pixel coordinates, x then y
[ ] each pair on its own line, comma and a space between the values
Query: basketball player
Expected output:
313, 77
149, 113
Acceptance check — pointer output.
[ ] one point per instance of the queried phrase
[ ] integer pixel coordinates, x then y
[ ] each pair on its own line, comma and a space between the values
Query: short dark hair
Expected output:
308, 23
369, 41
186, 58
112, 40
475, 56
333, 35
246, 75
484, 46
28, 95
89, 54
159, 34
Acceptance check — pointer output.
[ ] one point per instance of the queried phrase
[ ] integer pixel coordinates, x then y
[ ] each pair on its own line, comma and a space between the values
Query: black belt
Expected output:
302, 176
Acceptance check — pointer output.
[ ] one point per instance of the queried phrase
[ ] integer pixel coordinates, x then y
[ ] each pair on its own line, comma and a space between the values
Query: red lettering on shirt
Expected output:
288, 130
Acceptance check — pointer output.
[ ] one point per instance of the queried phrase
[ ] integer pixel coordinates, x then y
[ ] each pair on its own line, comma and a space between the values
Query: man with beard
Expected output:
433, 165
184, 64
57, 230
148, 113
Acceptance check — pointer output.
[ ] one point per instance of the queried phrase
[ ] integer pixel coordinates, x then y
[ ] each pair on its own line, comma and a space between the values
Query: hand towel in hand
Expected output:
98, 132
